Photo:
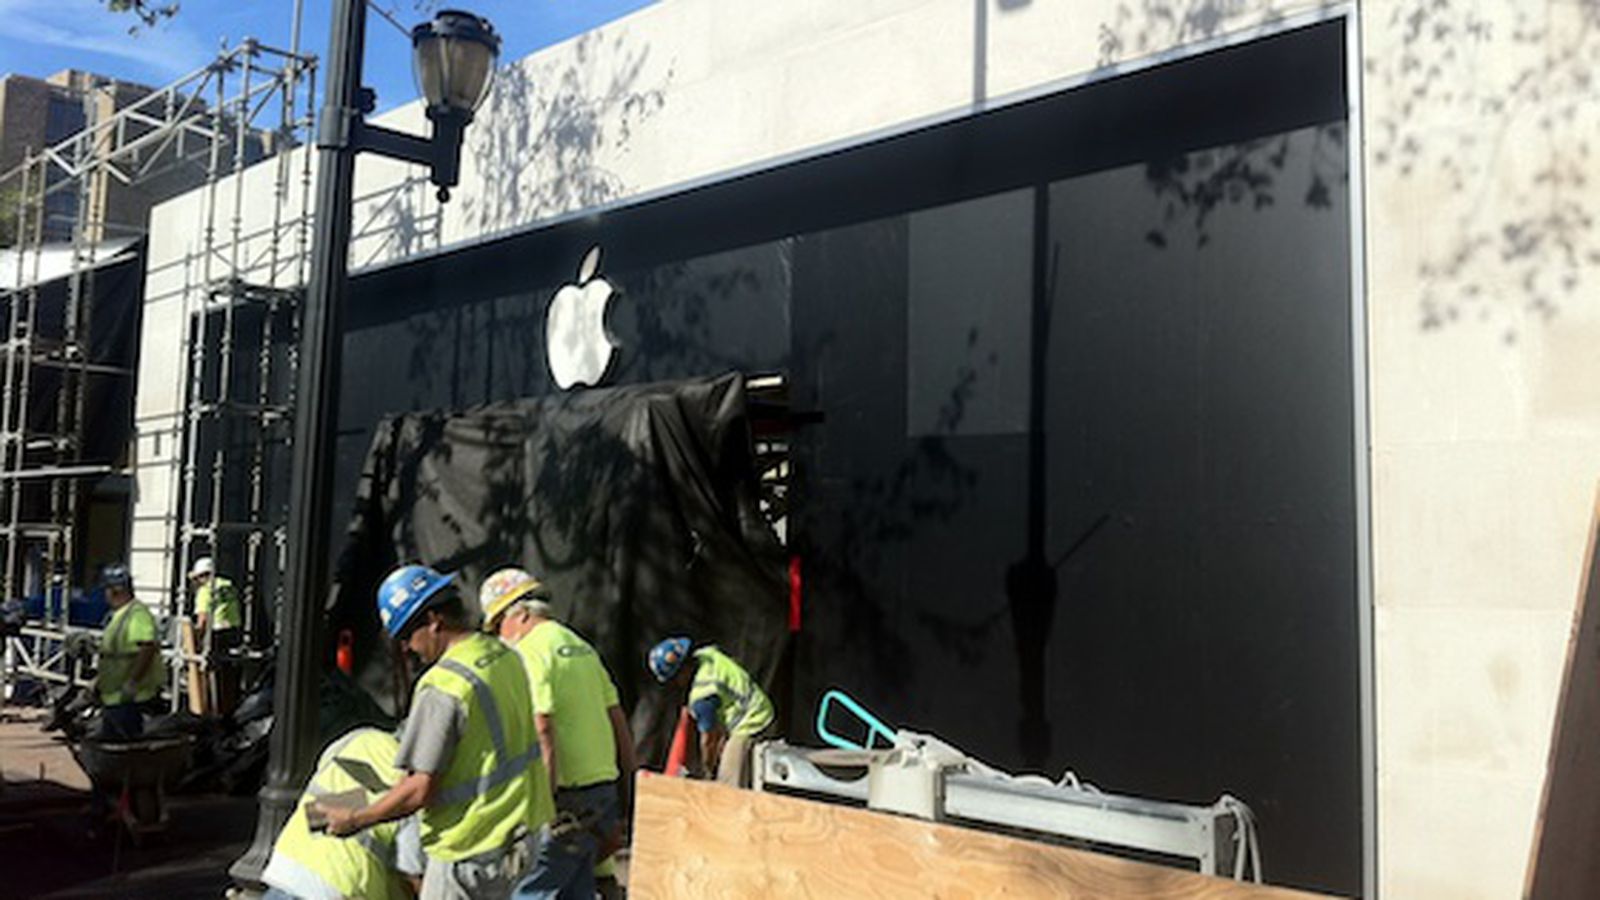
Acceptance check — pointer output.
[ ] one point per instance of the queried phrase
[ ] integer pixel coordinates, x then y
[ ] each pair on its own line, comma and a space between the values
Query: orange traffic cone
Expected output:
345, 656
678, 754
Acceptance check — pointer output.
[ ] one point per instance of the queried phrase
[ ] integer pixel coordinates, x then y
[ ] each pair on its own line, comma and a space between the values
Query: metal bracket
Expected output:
965, 792
335, 127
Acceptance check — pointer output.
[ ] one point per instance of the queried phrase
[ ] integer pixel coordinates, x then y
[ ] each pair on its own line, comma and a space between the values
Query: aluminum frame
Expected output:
1203, 835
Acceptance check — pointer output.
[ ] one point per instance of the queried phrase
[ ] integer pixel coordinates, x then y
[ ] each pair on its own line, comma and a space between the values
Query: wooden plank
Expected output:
1563, 861
198, 697
694, 839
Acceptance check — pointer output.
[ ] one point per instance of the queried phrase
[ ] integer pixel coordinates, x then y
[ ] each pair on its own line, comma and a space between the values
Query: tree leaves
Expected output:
148, 13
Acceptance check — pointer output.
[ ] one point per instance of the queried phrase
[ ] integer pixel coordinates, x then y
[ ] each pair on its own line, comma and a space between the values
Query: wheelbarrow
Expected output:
136, 774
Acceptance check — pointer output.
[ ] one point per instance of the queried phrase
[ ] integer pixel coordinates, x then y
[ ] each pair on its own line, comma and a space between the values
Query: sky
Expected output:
39, 37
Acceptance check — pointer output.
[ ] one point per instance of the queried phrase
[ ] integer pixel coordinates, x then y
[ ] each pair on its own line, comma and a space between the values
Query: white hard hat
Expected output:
203, 566
504, 588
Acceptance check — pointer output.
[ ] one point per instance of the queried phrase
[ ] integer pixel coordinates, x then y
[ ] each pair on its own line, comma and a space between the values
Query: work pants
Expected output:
222, 677
122, 721
564, 867
733, 766
118, 722
487, 876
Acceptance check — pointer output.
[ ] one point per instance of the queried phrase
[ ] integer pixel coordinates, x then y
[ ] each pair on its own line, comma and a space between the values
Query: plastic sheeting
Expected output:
114, 291
636, 504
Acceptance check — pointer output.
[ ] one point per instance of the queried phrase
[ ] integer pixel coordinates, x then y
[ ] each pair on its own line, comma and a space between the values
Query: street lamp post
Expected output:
454, 59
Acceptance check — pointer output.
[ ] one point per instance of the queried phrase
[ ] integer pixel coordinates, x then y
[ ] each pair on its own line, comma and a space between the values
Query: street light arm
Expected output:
441, 152
370, 138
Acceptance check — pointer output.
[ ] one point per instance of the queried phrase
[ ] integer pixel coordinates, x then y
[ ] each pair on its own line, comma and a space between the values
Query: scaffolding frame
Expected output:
252, 102
771, 427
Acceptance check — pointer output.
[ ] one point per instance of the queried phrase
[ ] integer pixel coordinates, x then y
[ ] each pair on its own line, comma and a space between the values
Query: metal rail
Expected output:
1214, 840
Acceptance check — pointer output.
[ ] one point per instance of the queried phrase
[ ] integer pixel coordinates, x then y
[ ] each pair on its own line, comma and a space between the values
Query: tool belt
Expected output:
570, 823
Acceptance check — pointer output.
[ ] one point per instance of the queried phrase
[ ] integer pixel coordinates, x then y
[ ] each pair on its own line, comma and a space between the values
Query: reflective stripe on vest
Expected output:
716, 677
508, 765
111, 646
489, 789
362, 865
298, 880
732, 714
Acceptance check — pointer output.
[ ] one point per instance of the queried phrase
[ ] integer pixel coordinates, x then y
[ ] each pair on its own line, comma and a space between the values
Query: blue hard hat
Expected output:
116, 575
403, 594
667, 657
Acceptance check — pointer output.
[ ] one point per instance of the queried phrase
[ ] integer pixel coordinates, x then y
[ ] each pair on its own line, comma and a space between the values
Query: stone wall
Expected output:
1483, 263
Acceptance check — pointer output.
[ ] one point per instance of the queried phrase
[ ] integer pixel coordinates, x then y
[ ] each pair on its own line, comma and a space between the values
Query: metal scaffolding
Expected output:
237, 422
252, 104
771, 427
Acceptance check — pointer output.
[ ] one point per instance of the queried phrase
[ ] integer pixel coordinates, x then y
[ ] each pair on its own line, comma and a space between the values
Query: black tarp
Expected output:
109, 305
113, 294
636, 504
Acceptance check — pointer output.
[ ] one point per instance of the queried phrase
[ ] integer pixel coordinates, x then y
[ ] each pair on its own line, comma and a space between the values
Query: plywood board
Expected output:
700, 840
1564, 862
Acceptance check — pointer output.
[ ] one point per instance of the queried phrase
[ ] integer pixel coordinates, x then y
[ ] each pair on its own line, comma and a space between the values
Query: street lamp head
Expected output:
453, 58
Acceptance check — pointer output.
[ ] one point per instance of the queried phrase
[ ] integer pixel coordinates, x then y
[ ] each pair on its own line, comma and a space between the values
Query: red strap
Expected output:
794, 594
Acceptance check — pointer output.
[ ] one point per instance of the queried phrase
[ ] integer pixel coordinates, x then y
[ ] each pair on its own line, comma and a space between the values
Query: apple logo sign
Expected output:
578, 346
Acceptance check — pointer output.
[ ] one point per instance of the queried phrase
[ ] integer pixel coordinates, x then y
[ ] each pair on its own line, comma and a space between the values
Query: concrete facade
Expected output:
1478, 274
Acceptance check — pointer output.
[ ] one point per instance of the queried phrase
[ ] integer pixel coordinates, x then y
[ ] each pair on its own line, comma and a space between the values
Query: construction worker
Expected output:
129, 675
583, 734
219, 620
384, 862
468, 749
729, 708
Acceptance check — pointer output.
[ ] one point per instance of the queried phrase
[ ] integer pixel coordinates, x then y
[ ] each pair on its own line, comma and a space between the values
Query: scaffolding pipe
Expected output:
65, 190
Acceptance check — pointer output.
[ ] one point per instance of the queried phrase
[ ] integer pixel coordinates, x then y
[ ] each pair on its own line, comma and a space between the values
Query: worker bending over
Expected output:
468, 749
728, 707
219, 620
583, 734
384, 862
129, 674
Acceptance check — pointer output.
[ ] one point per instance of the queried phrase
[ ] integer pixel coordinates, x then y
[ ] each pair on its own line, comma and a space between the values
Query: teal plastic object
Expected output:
875, 727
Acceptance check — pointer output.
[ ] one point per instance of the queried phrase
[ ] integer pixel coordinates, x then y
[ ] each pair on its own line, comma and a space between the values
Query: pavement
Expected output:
46, 853
45, 850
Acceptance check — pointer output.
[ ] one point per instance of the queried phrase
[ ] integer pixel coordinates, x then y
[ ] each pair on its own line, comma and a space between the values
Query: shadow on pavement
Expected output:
46, 853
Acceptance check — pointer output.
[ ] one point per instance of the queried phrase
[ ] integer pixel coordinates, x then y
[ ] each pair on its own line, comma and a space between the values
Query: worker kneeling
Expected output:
384, 862
583, 735
729, 708
468, 748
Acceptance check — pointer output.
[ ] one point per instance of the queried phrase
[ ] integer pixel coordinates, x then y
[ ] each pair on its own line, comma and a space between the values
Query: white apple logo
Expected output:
578, 345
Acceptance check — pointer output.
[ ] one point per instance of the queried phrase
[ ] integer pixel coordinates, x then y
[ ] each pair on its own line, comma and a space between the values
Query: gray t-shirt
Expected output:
431, 732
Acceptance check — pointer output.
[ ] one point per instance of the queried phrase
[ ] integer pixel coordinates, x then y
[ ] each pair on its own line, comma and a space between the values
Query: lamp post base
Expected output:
277, 804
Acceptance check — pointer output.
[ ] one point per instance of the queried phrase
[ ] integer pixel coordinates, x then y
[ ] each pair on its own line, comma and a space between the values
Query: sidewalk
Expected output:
44, 850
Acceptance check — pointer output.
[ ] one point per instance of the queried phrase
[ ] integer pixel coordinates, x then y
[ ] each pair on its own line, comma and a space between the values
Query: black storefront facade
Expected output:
1077, 486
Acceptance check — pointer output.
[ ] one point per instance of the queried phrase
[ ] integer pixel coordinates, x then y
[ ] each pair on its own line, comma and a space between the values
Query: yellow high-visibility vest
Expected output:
743, 708
218, 598
313, 865
495, 780
129, 627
